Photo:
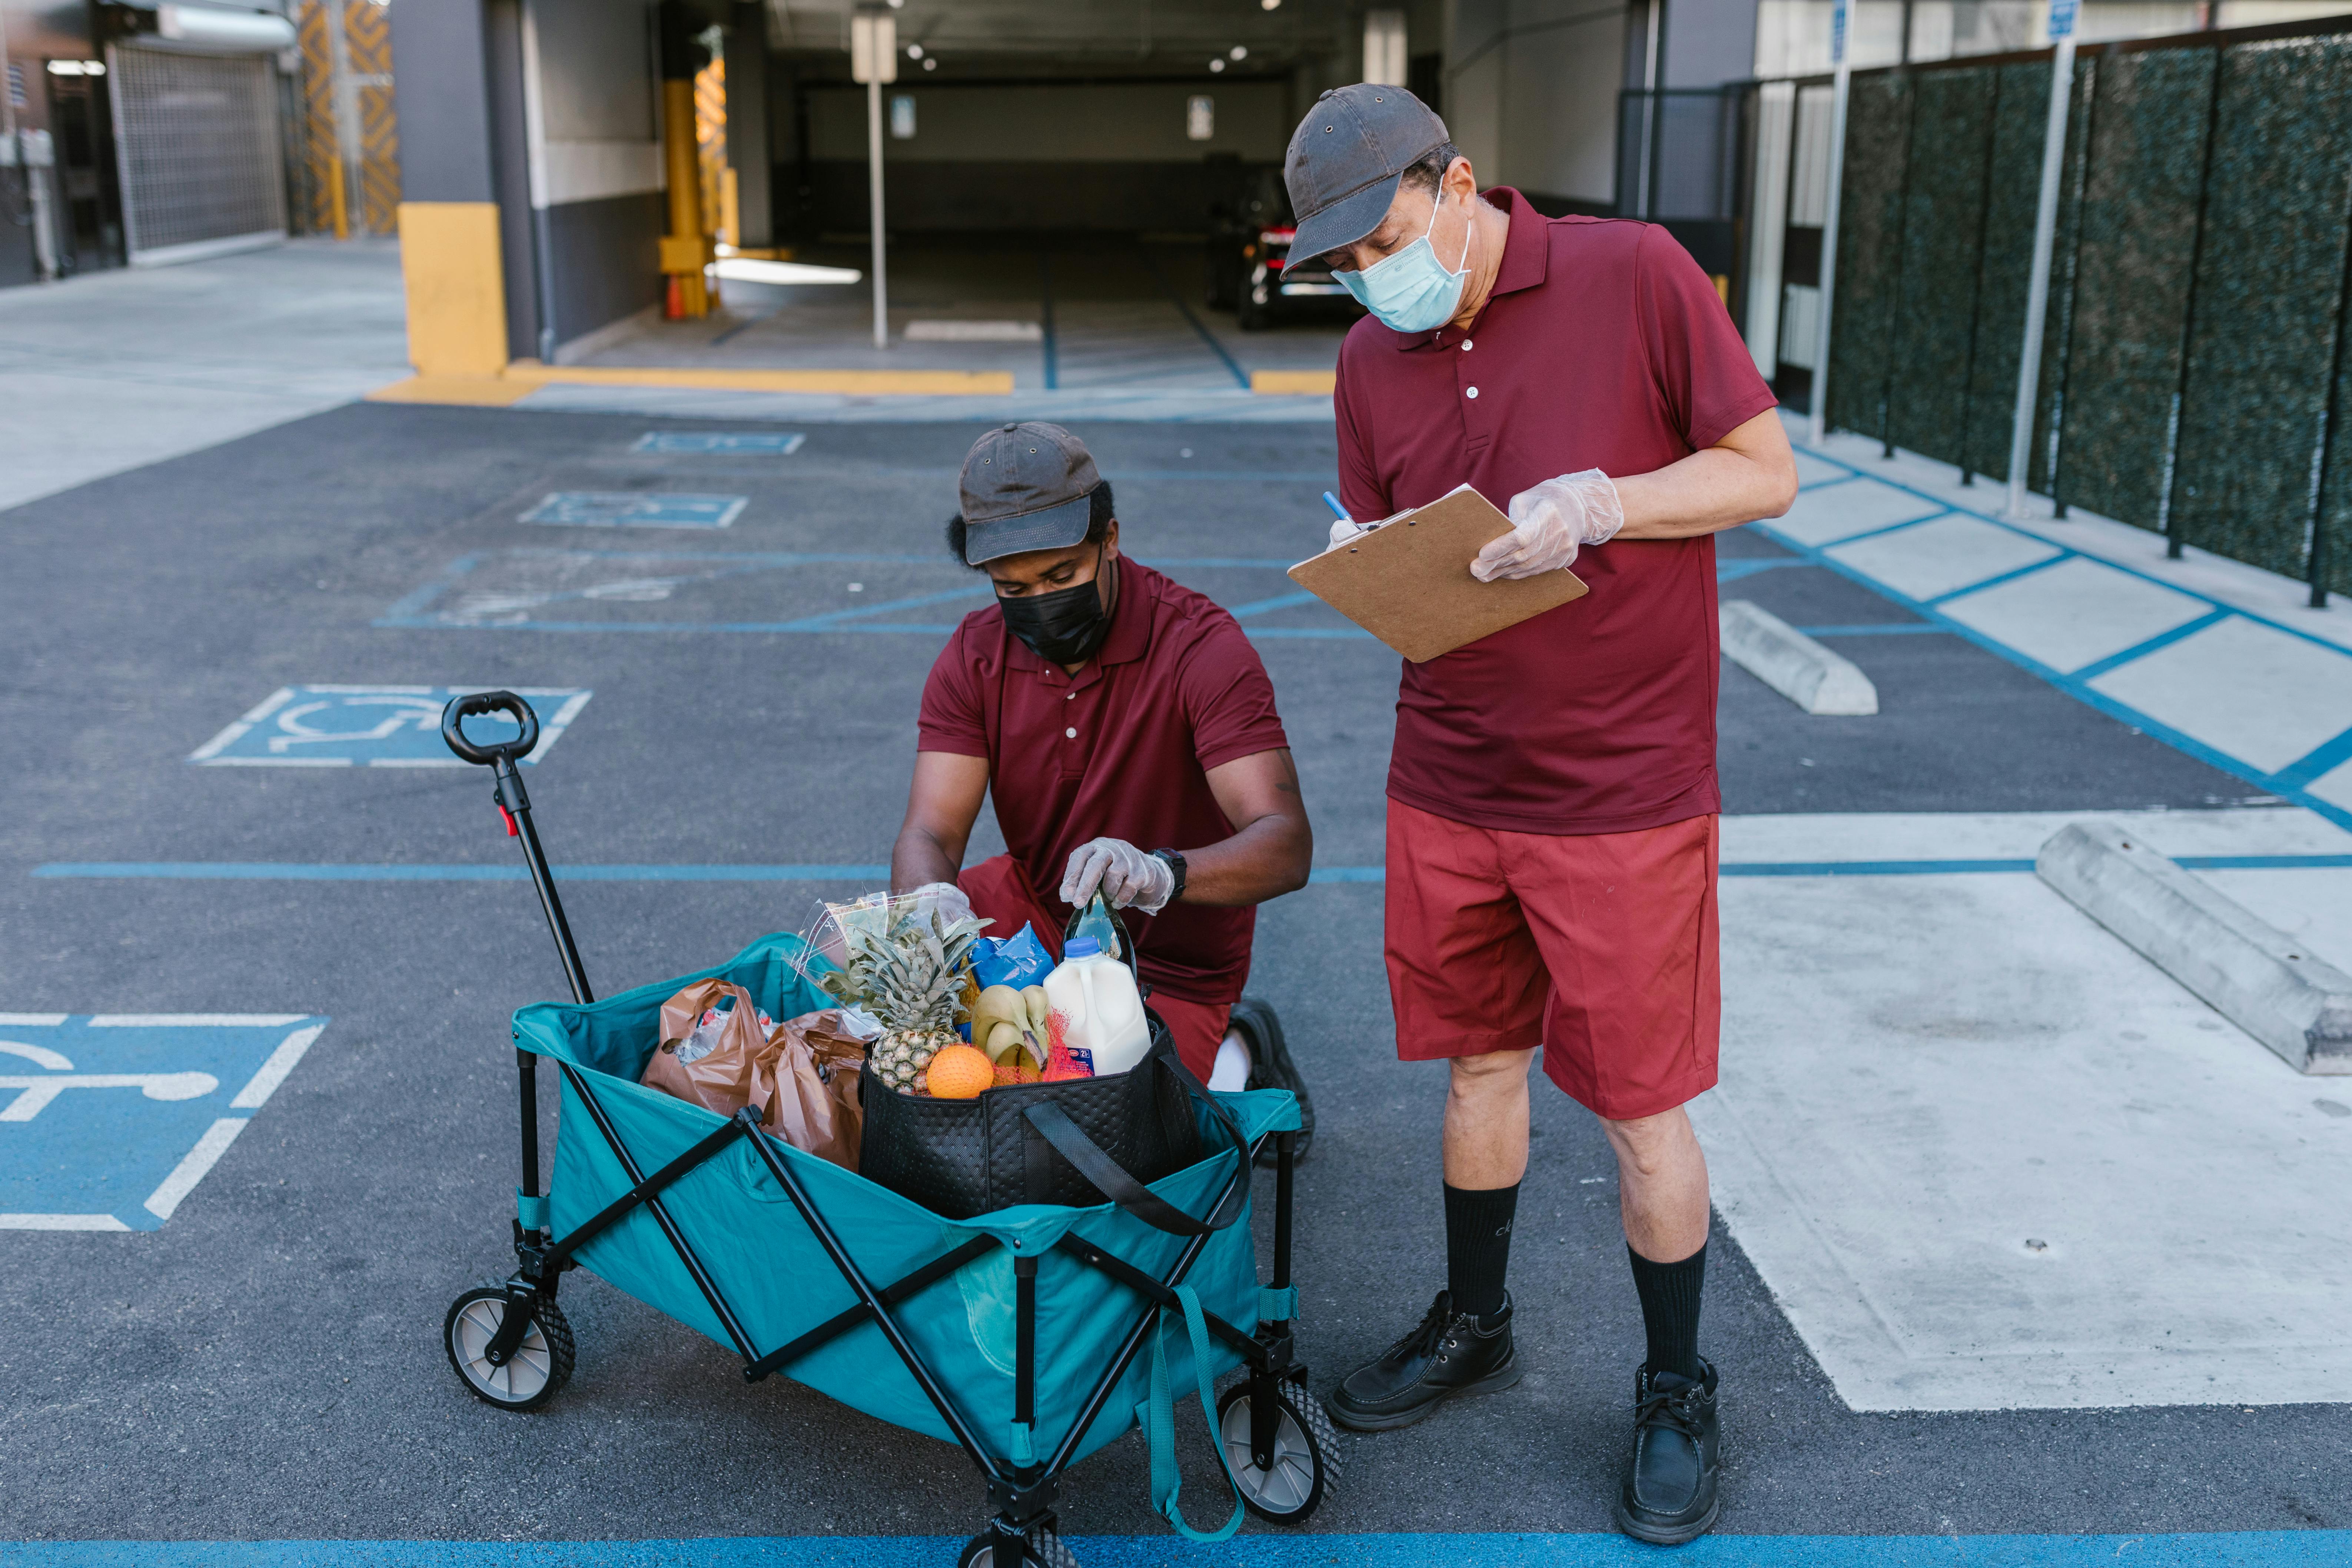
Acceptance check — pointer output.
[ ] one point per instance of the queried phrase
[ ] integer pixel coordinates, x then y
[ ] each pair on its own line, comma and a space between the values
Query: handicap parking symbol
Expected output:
108, 1122
374, 727
635, 509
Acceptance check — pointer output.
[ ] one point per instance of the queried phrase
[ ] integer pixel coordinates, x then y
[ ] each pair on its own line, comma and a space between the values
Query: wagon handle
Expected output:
460, 708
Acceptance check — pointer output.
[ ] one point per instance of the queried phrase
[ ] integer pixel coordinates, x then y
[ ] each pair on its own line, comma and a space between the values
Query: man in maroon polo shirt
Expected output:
1128, 731
1552, 799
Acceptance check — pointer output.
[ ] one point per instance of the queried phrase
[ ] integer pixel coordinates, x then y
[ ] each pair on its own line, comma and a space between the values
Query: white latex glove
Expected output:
1129, 877
944, 900
1550, 523
1345, 529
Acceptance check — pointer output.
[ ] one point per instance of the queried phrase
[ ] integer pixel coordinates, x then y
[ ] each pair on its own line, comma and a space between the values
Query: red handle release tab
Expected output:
507, 817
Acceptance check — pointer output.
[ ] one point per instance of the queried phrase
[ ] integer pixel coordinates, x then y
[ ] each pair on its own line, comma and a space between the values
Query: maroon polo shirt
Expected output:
1603, 346
1121, 750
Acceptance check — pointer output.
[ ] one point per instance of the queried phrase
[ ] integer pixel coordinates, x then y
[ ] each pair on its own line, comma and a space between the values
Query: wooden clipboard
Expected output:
1408, 581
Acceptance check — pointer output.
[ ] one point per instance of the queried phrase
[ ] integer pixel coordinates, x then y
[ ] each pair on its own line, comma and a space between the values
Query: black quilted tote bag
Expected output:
965, 1157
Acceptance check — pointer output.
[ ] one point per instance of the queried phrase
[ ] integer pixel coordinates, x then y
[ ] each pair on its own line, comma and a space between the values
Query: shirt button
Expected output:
1465, 345
1073, 734
1069, 696
1472, 393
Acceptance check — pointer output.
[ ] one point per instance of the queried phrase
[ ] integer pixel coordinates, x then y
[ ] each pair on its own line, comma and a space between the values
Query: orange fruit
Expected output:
959, 1072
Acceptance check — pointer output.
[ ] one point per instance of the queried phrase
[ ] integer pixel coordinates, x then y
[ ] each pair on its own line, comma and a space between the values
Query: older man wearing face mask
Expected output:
1128, 731
1552, 798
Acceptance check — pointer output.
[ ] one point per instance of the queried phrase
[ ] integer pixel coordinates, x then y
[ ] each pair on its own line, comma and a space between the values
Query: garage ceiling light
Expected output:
1270, 4
930, 65
914, 51
1217, 65
1239, 51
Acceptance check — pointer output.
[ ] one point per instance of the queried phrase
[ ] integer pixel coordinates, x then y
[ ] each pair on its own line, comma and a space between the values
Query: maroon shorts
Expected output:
1000, 891
1599, 947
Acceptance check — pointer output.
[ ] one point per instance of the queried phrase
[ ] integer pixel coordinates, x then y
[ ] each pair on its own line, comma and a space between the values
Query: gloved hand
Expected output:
1345, 529
1550, 523
944, 900
1129, 877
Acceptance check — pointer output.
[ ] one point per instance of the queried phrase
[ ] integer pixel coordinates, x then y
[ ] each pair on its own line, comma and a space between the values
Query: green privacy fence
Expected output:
2194, 375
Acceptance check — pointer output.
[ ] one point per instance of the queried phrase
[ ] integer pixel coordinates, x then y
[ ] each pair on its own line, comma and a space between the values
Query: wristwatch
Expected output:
1175, 859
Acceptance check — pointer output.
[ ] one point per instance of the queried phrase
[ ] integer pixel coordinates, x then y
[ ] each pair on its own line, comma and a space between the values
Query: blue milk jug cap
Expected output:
1082, 947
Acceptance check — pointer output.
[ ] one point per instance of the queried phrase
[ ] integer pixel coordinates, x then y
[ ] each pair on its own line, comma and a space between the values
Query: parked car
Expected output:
1250, 270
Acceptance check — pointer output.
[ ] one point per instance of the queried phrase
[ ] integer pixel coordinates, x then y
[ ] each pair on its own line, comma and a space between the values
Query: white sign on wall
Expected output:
1200, 117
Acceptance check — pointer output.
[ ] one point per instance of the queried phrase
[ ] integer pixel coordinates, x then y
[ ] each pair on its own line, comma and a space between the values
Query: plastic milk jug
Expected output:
1096, 993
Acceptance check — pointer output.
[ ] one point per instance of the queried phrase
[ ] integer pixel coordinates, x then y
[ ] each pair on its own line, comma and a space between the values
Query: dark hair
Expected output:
1427, 172
1098, 520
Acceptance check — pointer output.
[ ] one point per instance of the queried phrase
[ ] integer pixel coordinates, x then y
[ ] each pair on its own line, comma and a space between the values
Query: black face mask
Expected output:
1064, 627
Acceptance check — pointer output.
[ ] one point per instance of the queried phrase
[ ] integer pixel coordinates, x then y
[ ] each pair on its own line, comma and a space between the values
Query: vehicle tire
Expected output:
1305, 1468
540, 1366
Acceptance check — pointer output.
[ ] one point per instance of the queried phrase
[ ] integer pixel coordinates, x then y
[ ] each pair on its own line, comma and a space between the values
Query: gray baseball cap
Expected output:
1024, 487
1347, 158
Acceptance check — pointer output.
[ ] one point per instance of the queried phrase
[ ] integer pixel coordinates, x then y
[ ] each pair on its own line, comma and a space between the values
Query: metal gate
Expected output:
195, 139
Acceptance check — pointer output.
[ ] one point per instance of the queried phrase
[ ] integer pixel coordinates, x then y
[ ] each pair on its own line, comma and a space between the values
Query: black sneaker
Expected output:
1451, 1353
1271, 1067
1669, 1496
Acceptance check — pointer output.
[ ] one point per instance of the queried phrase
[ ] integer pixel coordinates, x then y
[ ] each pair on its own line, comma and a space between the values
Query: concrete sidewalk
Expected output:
116, 369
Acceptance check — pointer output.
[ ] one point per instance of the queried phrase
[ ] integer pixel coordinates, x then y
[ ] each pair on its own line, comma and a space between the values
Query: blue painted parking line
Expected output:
373, 727
341, 871
108, 1122
721, 443
2248, 1549
635, 509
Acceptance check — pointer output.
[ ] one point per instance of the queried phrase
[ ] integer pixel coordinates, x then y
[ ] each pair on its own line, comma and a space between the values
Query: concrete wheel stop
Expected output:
1793, 664
2264, 981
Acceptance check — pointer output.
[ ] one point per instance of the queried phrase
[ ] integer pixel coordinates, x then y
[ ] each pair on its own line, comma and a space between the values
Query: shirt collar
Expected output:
1130, 637
1525, 249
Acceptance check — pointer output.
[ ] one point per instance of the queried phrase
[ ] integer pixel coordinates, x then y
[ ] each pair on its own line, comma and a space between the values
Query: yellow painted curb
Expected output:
854, 382
467, 390
1325, 382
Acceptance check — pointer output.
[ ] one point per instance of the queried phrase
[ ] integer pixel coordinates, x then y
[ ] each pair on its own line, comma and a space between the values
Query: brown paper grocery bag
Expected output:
721, 1081
807, 1078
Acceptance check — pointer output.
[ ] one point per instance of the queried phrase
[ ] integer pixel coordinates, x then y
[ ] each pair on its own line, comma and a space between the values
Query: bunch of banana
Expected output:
1010, 1025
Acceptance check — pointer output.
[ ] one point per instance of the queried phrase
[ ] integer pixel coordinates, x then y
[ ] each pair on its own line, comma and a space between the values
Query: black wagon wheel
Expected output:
540, 1364
1042, 1548
1304, 1467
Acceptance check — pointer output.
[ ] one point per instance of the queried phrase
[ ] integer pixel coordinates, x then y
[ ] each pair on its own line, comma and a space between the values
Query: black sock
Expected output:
1478, 1246
1670, 1298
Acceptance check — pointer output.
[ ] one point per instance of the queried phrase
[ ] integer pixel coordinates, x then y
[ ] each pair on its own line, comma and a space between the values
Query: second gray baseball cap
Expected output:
1025, 487
1347, 158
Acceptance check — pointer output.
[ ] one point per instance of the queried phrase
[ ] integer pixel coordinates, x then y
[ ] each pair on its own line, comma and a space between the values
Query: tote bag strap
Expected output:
1115, 1183
1157, 1417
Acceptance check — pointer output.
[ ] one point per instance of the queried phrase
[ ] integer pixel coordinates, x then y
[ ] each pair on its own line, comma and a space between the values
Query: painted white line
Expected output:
263, 1084
390, 690
2335, 786
40, 1056
194, 1020
60, 1222
553, 728
431, 761
194, 1169
261, 710
2242, 688
34, 1020
1793, 664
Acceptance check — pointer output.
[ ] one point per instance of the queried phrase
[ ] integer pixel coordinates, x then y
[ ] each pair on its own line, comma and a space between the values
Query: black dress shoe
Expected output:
1271, 1067
1451, 1353
1669, 1496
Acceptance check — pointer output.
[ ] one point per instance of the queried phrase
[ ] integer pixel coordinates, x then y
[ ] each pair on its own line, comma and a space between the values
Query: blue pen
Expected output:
1337, 510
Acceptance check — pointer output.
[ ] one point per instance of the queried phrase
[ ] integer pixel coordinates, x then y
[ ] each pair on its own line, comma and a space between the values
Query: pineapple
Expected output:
910, 975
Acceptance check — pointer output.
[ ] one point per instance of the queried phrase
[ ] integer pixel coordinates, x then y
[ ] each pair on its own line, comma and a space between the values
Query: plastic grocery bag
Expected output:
1017, 961
807, 1078
719, 1079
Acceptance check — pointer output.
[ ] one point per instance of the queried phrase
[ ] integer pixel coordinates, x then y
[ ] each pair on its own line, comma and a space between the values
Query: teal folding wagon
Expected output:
1030, 1336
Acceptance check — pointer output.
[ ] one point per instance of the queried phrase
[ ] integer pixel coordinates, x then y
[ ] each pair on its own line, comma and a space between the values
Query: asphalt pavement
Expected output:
266, 1365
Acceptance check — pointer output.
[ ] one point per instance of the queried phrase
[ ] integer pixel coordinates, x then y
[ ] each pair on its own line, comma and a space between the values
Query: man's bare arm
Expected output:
1748, 474
1272, 845
942, 805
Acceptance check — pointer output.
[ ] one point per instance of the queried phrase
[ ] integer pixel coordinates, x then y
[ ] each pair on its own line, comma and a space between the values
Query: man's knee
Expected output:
1652, 1145
1489, 1076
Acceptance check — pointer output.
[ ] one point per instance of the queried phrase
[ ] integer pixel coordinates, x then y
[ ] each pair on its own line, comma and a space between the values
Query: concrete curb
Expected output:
2259, 977
1793, 664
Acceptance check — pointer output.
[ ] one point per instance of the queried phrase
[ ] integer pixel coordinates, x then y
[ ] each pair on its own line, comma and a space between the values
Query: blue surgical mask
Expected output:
1412, 291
